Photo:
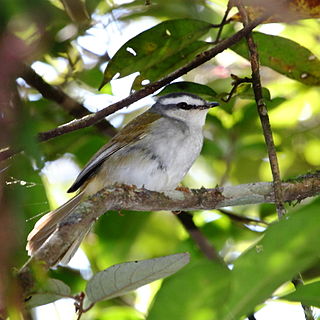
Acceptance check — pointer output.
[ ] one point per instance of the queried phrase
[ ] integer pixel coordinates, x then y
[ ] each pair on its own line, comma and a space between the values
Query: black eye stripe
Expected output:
185, 106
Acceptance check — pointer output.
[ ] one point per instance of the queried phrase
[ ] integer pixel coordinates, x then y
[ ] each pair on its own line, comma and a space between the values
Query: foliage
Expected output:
71, 42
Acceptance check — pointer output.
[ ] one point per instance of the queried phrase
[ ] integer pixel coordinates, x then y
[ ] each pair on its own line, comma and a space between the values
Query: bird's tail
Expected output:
45, 227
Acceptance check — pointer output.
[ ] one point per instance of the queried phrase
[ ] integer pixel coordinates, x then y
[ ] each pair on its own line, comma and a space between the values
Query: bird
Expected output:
154, 151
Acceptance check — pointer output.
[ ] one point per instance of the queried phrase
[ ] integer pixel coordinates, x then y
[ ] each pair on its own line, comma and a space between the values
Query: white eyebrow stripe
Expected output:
187, 99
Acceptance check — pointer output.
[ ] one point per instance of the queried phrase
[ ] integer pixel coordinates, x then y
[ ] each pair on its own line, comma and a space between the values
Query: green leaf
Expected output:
122, 278
245, 91
52, 291
284, 56
171, 63
158, 50
308, 294
195, 293
118, 313
190, 87
283, 252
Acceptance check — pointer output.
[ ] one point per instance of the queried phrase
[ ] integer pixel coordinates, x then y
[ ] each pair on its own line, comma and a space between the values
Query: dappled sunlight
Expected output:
238, 258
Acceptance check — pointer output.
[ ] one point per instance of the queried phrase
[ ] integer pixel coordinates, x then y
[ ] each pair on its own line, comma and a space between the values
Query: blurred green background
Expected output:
71, 43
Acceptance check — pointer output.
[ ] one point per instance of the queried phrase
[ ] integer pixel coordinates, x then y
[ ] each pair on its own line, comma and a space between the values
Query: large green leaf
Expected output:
284, 56
124, 277
171, 63
195, 293
308, 294
283, 252
158, 50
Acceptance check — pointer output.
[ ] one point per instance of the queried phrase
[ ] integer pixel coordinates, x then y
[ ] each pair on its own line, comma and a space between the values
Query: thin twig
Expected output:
186, 218
235, 83
150, 88
222, 24
243, 219
307, 310
263, 113
264, 118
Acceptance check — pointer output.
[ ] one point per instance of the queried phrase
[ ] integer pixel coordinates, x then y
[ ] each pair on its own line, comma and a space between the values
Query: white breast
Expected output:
157, 162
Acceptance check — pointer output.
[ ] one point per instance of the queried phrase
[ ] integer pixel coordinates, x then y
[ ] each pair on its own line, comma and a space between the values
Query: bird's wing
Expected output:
132, 132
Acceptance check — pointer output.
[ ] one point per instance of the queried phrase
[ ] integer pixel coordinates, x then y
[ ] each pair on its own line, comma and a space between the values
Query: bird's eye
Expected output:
184, 105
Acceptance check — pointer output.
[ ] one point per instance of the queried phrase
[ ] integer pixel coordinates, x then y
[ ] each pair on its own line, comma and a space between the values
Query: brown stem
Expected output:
308, 314
235, 83
264, 118
223, 22
263, 113
243, 219
186, 218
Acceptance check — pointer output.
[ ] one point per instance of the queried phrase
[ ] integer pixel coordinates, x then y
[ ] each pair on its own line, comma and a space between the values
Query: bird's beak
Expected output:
213, 104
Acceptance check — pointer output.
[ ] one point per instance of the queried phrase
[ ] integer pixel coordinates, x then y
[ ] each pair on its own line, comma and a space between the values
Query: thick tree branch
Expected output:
130, 198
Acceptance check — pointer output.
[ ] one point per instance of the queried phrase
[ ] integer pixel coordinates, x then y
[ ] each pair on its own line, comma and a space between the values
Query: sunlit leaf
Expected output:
195, 293
122, 278
52, 291
311, 152
158, 50
284, 56
190, 87
308, 294
170, 63
245, 91
170, 10
283, 252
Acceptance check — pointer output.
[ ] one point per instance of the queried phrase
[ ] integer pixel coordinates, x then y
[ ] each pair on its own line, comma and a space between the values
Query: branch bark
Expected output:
131, 198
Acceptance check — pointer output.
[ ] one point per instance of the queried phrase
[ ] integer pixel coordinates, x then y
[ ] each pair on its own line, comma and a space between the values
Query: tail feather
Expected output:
44, 228
74, 247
